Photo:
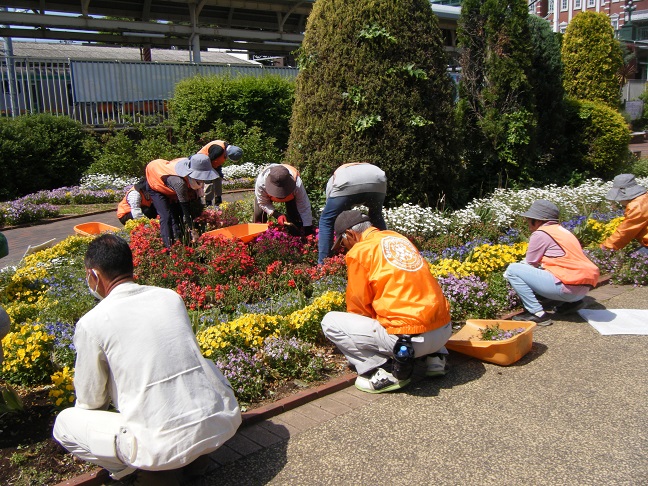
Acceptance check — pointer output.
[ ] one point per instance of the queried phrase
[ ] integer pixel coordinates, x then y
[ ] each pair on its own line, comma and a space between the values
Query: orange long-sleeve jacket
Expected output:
633, 227
388, 280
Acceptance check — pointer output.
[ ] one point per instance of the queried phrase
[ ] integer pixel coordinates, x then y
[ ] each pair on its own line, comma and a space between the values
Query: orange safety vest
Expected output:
123, 208
633, 227
573, 268
221, 159
156, 170
294, 173
389, 280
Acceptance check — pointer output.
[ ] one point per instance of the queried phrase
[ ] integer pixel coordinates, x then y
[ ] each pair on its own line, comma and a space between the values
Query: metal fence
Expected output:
98, 92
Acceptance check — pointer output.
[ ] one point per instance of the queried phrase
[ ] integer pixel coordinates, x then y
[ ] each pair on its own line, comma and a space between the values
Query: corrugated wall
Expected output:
98, 92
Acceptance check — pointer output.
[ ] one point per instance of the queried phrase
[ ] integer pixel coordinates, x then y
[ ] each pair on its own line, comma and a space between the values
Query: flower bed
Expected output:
256, 309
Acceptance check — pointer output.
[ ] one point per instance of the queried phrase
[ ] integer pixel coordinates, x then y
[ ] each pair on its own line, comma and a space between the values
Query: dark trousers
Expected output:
169, 217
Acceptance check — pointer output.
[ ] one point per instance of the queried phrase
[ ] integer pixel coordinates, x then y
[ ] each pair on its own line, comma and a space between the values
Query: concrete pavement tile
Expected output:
367, 397
276, 428
346, 398
260, 435
315, 413
333, 406
243, 445
296, 420
225, 455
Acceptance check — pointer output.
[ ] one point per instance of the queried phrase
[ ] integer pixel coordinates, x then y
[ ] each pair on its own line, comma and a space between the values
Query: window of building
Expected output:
591, 3
615, 24
562, 27
551, 6
577, 4
563, 5
642, 32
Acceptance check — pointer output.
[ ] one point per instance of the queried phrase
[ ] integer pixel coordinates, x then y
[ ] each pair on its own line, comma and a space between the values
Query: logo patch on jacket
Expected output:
401, 253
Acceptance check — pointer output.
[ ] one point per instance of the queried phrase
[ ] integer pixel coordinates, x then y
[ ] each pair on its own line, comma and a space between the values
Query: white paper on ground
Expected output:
617, 321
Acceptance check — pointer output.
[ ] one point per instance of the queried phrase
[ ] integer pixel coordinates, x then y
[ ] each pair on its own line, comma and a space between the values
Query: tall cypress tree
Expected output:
592, 58
373, 86
496, 109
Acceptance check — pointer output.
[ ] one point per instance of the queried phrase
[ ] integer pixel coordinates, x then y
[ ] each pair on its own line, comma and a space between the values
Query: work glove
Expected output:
281, 219
307, 230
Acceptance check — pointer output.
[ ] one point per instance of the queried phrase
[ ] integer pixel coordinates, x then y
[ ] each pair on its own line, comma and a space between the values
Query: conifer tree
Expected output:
592, 57
496, 110
373, 86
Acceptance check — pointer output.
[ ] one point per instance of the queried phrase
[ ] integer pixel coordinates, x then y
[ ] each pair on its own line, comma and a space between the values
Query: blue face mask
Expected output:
94, 292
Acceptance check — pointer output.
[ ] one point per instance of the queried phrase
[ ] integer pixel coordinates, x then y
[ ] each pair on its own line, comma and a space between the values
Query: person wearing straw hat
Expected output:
218, 152
555, 267
281, 183
634, 198
391, 295
182, 181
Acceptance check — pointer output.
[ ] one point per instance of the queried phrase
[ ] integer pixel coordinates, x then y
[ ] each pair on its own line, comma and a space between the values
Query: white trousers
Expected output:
367, 345
98, 437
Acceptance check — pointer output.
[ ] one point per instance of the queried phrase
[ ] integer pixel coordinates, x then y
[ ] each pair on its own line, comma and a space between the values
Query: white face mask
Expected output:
94, 292
194, 184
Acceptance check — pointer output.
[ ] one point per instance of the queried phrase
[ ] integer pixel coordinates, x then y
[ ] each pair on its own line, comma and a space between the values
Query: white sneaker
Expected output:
379, 382
435, 365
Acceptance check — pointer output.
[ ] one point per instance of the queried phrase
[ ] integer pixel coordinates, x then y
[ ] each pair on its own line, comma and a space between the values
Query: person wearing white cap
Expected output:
281, 183
555, 267
634, 198
218, 151
182, 181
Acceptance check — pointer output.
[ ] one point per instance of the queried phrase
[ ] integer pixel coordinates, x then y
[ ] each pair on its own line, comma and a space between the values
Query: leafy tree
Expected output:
592, 59
545, 77
373, 87
496, 110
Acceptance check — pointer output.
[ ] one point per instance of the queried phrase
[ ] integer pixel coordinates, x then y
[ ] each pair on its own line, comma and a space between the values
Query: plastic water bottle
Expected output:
403, 358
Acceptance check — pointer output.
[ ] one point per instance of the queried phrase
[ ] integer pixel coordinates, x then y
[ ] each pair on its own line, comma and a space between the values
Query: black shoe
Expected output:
543, 320
568, 307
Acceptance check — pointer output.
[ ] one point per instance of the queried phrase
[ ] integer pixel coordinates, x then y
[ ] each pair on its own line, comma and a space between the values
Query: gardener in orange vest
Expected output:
218, 151
392, 297
555, 267
634, 199
281, 183
181, 181
136, 203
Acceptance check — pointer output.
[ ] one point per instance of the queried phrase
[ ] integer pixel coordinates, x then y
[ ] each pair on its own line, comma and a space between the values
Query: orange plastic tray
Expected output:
93, 228
245, 232
504, 352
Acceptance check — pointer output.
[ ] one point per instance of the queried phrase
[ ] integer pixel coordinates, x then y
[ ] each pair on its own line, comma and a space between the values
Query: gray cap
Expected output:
344, 221
624, 188
198, 167
542, 210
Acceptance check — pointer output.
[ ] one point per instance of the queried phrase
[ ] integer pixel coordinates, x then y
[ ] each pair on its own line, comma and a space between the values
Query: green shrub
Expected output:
639, 167
202, 103
599, 138
41, 152
373, 86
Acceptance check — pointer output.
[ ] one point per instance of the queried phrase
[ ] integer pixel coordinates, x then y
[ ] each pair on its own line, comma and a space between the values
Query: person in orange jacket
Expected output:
555, 267
218, 151
391, 295
181, 181
634, 199
136, 203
